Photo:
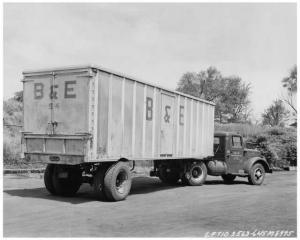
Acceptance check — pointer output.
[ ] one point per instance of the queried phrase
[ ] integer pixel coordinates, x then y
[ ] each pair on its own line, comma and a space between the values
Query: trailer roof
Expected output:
103, 69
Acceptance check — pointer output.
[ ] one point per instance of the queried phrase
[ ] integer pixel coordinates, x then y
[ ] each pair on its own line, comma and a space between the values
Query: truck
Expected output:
90, 125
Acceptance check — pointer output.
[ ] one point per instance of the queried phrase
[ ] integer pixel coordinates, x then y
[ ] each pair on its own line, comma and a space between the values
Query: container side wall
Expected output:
149, 121
188, 127
103, 114
128, 118
139, 110
194, 129
157, 114
115, 122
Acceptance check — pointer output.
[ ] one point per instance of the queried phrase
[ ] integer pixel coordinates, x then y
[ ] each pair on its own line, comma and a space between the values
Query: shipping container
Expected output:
94, 114
84, 116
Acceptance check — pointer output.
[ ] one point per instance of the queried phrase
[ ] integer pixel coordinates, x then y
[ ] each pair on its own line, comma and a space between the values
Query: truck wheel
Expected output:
196, 174
257, 174
228, 178
66, 180
48, 178
168, 175
117, 181
98, 183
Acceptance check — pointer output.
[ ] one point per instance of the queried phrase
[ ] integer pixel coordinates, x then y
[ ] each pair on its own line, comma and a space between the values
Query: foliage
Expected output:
290, 82
12, 121
275, 114
230, 94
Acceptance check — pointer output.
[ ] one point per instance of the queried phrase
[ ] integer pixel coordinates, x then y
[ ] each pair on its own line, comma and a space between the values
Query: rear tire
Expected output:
48, 179
98, 183
168, 175
196, 174
228, 178
117, 181
257, 174
69, 185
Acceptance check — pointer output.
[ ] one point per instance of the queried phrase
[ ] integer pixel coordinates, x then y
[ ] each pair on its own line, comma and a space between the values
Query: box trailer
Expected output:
90, 120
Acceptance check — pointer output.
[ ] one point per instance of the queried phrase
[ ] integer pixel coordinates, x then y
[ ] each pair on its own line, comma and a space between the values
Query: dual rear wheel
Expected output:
193, 174
62, 180
110, 182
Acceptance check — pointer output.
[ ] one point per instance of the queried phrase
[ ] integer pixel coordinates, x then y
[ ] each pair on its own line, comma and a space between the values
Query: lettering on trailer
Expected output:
149, 112
167, 114
149, 108
69, 91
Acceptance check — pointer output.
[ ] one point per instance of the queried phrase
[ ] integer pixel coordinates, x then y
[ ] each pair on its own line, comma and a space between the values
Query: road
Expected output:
152, 209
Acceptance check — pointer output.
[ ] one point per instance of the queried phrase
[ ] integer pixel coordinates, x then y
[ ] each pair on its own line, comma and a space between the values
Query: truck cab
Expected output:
232, 158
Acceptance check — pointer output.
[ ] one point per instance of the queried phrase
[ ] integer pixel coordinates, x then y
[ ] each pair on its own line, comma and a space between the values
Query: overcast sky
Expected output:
155, 42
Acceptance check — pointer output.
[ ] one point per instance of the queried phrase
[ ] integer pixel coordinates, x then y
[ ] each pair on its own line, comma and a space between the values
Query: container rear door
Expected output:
57, 102
167, 125
70, 104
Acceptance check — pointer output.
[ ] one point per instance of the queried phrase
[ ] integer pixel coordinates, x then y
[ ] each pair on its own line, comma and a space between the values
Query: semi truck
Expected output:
90, 124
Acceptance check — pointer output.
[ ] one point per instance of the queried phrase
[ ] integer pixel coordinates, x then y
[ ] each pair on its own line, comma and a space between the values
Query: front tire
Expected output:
66, 180
117, 181
257, 174
196, 174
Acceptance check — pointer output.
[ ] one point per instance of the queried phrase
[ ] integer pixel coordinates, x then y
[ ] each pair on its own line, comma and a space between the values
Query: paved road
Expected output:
152, 209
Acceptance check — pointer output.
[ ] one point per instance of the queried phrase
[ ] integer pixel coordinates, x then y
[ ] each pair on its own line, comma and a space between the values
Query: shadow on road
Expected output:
140, 185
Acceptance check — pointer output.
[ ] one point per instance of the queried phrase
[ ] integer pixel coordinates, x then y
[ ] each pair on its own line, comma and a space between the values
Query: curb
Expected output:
13, 171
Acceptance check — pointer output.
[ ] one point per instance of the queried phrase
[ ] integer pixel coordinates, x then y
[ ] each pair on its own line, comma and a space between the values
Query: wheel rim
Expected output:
196, 172
258, 174
121, 182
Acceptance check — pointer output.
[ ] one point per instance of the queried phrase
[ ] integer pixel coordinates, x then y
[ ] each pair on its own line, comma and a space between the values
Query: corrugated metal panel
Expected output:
129, 118
139, 121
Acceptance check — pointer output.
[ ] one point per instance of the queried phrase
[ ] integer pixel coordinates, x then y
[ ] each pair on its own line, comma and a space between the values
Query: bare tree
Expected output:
290, 83
275, 114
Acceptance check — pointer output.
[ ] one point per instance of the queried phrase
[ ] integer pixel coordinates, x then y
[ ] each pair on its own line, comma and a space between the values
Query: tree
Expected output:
290, 83
230, 94
275, 114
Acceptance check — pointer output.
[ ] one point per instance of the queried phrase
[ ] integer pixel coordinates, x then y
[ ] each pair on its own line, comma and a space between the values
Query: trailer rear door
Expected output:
56, 104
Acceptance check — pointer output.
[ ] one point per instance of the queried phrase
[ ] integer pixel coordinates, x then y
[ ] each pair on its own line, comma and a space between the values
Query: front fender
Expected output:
251, 161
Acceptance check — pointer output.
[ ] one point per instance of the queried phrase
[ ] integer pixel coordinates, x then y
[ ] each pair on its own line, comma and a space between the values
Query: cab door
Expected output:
235, 158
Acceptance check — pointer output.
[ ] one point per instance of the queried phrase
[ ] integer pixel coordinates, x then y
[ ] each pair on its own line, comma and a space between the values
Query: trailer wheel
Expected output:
196, 174
66, 180
117, 181
168, 175
98, 183
257, 174
228, 178
48, 178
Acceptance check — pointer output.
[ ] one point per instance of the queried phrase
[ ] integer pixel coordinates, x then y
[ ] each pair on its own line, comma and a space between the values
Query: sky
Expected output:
155, 42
